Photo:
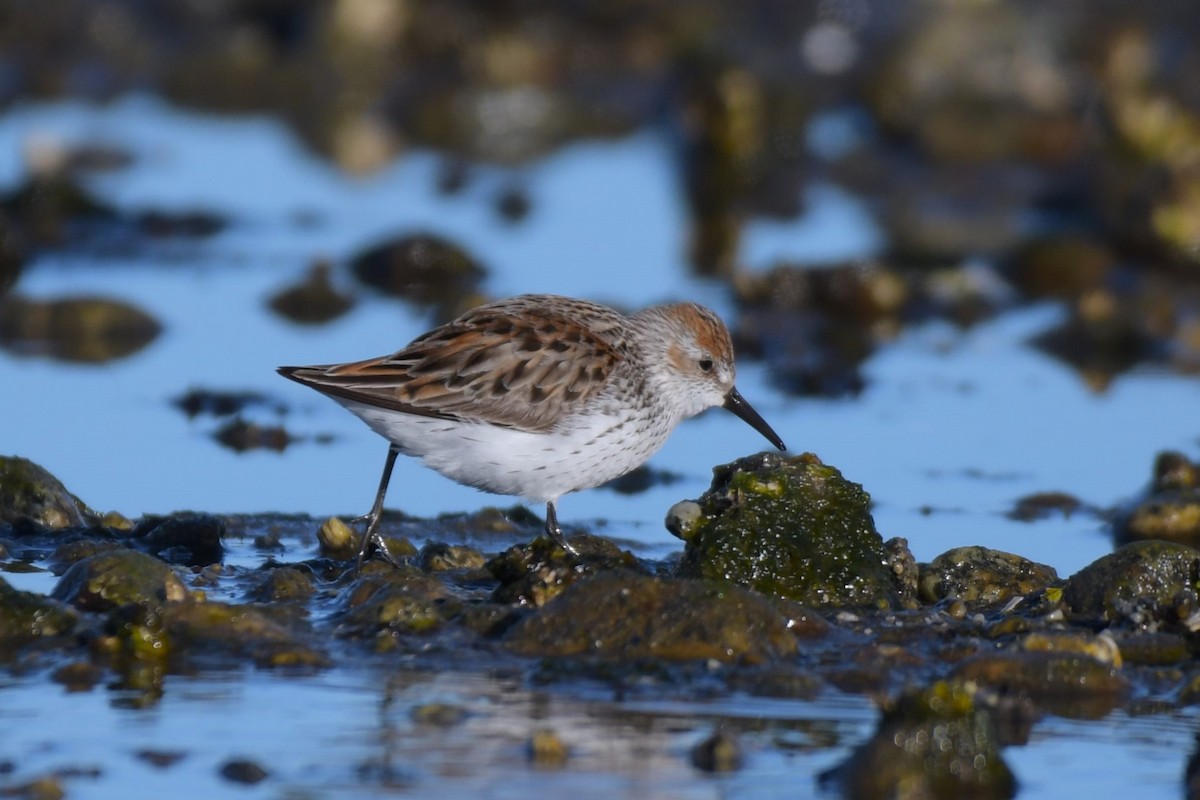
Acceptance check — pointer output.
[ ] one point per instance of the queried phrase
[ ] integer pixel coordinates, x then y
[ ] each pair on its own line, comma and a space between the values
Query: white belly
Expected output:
539, 467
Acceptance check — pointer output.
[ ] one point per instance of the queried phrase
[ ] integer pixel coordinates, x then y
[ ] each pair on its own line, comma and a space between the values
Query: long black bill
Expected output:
738, 405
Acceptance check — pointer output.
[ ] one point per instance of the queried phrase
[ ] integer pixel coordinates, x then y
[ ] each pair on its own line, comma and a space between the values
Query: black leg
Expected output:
555, 532
370, 535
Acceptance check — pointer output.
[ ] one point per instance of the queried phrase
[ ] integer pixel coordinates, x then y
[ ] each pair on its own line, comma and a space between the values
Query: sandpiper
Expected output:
539, 395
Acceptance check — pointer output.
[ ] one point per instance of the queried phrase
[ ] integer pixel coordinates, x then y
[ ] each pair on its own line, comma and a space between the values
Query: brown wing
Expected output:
521, 363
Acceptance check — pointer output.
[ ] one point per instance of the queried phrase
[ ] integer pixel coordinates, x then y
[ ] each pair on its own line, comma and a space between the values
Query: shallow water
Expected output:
953, 427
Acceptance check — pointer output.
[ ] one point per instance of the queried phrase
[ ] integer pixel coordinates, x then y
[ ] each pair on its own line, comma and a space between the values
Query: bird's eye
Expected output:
706, 365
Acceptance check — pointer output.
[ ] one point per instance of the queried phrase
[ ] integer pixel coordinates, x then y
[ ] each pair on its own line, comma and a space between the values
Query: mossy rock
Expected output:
1142, 583
789, 527
27, 490
624, 616
982, 575
932, 742
201, 632
27, 616
403, 600
116, 578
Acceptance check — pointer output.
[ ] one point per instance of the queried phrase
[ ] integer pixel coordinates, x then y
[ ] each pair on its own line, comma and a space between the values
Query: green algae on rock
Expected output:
624, 616
934, 742
201, 631
789, 527
27, 616
28, 490
982, 575
117, 577
395, 601
537, 572
1142, 583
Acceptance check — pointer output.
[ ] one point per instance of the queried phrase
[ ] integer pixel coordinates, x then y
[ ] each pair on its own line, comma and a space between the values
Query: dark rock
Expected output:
936, 743
790, 527
195, 402
201, 632
27, 490
118, 577
982, 575
623, 616
1143, 583
441, 557
26, 617
190, 539
533, 574
284, 585
394, 601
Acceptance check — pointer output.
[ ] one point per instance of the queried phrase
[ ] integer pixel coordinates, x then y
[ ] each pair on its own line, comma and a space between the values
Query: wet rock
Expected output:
312, 301
118, 577
441, 557
139, 650
1142, 583
29, 491
623, 616
204, 632
396, 601
424, 269
284, 585
489, 620
89, 330
1152, 648
934, 742
193, 540
1170, 509
790, 527
720, 752
1069, 684
904, 569
68, 553
337, 540
535, 573
982, 575
244, 771
26, 617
